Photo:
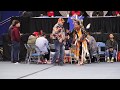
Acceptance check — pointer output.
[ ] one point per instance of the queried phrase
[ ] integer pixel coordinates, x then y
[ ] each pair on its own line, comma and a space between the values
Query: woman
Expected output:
15, 38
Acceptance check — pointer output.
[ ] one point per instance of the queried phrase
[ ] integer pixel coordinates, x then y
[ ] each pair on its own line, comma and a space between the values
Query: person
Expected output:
32, 38
92, 45
50, 14
27, 14
10, 28
67, 32
43, 45
111, 47
73, 13
71, 22
67, 40
79, 42
58, 34
41, 32
15, 38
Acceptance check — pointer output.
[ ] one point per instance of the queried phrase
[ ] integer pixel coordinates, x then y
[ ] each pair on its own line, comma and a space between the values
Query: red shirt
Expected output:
15, 34
76, 12
50, 13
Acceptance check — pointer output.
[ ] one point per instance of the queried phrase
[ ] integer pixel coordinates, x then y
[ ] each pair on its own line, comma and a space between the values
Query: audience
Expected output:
68, 40
32, 38
50, 14
92, 45
43, 46
111, 46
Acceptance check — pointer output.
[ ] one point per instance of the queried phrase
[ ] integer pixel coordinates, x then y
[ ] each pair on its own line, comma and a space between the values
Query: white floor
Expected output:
101, 70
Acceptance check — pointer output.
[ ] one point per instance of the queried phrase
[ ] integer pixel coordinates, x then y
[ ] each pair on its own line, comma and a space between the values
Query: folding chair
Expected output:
35, 54
101, 50
72, 55
27, 46
67, 56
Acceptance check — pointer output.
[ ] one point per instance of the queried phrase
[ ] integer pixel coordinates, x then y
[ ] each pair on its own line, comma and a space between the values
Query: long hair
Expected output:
15, 22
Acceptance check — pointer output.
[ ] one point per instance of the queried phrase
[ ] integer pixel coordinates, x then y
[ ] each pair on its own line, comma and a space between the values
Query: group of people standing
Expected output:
80, 38
84, 43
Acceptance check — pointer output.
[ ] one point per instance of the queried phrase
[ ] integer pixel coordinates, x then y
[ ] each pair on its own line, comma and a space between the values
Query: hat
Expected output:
36, 33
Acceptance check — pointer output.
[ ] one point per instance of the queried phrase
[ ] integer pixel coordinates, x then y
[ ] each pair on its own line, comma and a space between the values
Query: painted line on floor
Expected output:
35, 72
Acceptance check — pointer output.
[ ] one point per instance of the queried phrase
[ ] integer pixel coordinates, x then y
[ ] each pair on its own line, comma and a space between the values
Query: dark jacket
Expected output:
111, 44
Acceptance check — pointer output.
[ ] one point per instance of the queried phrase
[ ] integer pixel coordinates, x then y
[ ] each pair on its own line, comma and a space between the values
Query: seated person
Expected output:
42, 44
32, 38
92, 45
111, 46
68, 42
50, 14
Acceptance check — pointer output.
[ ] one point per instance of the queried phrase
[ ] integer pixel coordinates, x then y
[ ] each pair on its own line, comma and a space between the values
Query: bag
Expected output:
118, 56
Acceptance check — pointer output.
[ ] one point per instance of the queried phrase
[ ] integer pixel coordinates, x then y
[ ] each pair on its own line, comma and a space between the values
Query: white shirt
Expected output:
42, 44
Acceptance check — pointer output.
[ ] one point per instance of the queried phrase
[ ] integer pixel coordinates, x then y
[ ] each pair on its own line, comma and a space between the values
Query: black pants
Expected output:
47, 55
80, 52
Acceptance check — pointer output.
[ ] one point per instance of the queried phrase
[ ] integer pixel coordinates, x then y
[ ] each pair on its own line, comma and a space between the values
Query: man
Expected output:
111, 46
15, 38
80, 42
71, 21
32, 38
58, 35
92, 45
42, 44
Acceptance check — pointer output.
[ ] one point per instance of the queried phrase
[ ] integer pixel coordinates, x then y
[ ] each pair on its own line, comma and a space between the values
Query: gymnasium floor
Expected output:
100, 70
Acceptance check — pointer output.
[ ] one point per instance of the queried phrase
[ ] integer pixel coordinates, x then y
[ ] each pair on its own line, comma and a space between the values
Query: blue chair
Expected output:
101, 50
35, 54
